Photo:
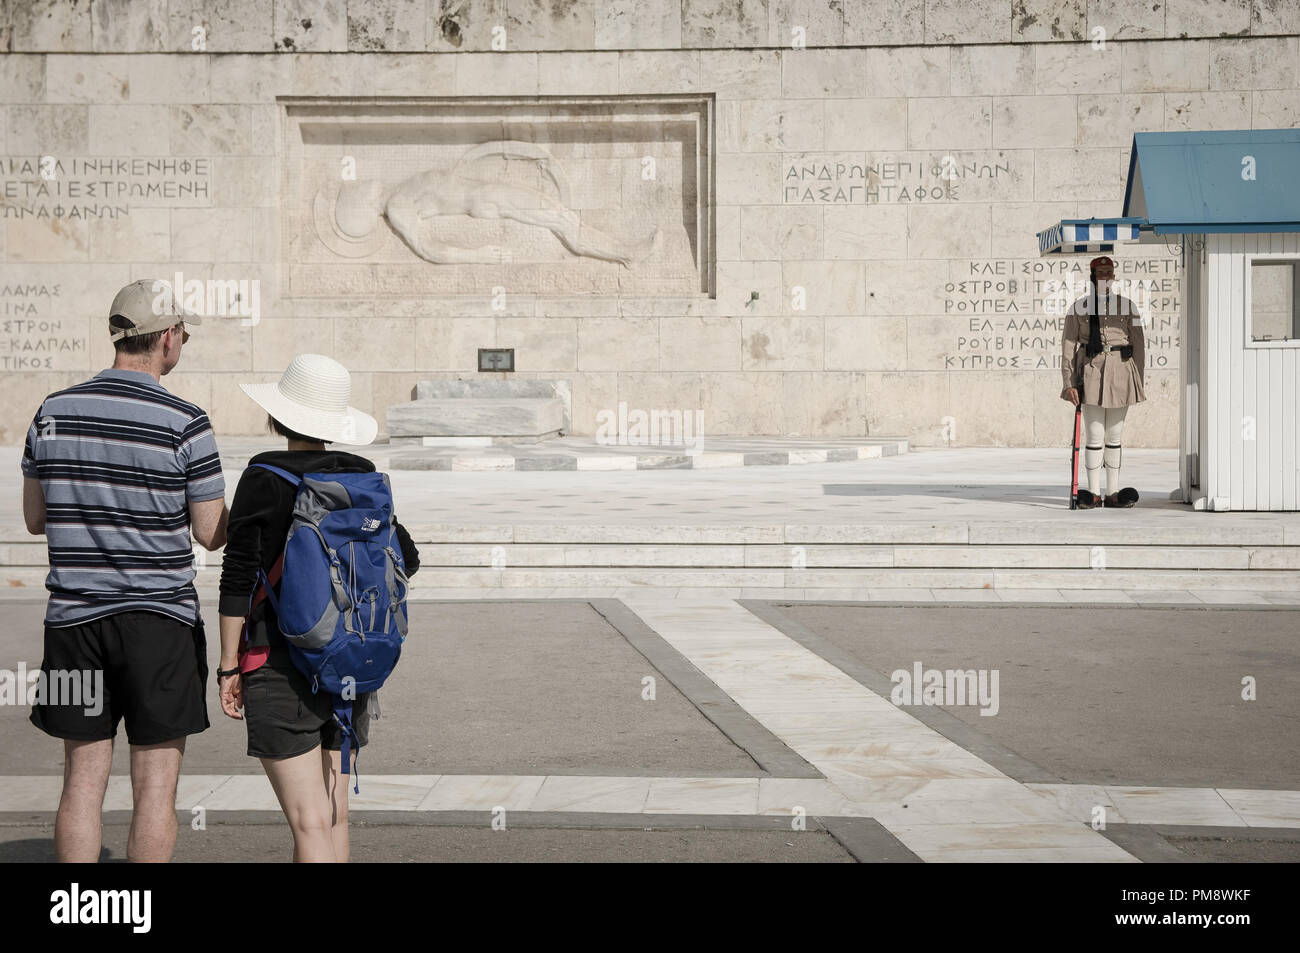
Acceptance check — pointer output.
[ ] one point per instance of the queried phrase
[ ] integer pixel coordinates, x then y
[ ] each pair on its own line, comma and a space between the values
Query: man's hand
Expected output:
1071, 394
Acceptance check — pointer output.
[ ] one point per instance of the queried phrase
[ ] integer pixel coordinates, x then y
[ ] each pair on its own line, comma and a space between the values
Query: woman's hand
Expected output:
231, 691
1071, 394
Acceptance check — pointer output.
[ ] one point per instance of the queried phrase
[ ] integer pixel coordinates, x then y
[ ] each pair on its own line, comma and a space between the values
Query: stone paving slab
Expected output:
1181, 844
979, 815
508, 688
423, 839
938, 800
472, 840
1099, 695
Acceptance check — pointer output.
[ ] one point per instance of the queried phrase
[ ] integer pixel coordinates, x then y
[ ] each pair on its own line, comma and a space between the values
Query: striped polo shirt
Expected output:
119, 459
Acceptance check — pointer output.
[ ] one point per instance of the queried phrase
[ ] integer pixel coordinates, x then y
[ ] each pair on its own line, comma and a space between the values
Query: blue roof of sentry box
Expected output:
1198, 181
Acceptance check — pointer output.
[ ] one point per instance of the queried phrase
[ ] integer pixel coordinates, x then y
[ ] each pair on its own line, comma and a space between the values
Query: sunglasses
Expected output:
185, 335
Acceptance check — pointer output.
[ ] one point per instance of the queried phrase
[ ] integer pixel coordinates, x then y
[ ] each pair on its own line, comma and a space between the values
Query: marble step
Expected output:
28, 581
1043, 533
1268, 537
524, 546
758, 556
879, 578
577, 554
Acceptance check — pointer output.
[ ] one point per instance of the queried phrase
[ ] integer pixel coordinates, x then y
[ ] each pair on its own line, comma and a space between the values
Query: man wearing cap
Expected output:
118, 472
1103, 360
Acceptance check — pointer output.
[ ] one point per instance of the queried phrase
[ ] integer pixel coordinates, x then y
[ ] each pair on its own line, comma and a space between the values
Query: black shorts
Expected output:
285, 719
146, 667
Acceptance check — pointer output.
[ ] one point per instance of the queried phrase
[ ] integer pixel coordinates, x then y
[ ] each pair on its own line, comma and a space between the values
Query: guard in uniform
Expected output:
1103, 360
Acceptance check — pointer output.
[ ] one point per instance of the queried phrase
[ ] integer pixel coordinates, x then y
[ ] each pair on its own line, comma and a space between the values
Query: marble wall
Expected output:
879, 169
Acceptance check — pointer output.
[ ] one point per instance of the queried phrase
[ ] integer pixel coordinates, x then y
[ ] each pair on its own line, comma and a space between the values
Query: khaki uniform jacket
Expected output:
1107, 380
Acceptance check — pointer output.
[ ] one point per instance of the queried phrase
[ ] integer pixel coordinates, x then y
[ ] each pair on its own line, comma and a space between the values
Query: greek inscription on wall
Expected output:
1009, 314
73, 187
31, 338
847, 178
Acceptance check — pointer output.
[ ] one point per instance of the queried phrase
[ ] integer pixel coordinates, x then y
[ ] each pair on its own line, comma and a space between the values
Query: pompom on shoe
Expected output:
1123, 499
1086, 499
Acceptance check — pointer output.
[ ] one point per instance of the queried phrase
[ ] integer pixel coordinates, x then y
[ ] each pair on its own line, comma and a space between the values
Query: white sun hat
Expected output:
311, 397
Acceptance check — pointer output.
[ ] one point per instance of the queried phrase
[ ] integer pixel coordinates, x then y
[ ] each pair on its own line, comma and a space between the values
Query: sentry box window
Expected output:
496, 359
1272, 307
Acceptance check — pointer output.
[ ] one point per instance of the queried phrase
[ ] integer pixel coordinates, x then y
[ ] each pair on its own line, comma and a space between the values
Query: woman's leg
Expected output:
336, 791
306, 806
1095, 437
1114, 450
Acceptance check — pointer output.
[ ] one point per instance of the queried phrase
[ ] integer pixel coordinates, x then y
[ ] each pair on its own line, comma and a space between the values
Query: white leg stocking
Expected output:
1094, 426
1114, 451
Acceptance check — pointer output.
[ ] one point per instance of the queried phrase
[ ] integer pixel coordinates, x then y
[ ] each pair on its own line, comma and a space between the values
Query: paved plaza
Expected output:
697, 722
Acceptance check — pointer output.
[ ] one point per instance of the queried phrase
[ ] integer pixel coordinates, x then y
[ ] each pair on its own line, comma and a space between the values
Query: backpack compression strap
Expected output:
347, 735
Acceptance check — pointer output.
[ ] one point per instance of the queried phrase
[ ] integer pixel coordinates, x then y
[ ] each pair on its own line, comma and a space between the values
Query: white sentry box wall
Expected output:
1239, 382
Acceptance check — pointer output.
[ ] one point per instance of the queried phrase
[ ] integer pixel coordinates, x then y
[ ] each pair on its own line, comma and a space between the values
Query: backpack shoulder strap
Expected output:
285, 474
266, 581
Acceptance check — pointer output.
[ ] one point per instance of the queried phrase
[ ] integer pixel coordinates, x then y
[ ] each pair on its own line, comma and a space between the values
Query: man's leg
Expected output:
1114, 451
1095, 437
78, 827
155, 770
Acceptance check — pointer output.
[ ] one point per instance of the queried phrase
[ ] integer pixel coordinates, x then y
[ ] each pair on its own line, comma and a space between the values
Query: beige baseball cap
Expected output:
150, 306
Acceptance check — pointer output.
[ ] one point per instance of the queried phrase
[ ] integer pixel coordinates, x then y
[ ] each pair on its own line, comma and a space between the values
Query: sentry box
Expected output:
1228, 203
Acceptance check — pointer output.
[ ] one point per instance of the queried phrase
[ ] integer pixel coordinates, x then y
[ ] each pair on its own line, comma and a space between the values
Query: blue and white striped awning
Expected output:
1083, 235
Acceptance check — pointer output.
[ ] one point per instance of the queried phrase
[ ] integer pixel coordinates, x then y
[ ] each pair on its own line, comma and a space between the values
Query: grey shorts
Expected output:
285, 719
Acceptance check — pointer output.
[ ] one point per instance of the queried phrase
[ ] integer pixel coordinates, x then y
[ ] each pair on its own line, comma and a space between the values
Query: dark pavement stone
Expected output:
523, 687
1090, 695
712, 839
1161, 843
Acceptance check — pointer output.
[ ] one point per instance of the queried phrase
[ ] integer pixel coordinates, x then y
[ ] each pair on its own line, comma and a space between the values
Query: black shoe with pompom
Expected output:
1123, 499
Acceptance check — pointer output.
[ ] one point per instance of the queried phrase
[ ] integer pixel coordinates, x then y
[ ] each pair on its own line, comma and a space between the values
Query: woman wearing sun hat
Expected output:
290, 728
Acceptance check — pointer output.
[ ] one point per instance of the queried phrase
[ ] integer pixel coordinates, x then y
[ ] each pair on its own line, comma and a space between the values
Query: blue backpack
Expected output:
343, 587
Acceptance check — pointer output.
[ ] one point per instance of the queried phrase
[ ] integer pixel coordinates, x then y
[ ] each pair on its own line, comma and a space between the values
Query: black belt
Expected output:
1125, 351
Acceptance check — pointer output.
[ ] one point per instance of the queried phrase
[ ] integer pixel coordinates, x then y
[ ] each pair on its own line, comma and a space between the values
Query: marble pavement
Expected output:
939, 800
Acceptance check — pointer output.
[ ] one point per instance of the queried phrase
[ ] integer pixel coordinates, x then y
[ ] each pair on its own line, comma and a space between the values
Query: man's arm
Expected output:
205, 487
208, 520
33, 506
1138, 339
1069, 350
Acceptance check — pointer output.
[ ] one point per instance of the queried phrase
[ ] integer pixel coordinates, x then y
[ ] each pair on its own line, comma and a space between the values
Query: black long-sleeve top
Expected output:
258, 528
